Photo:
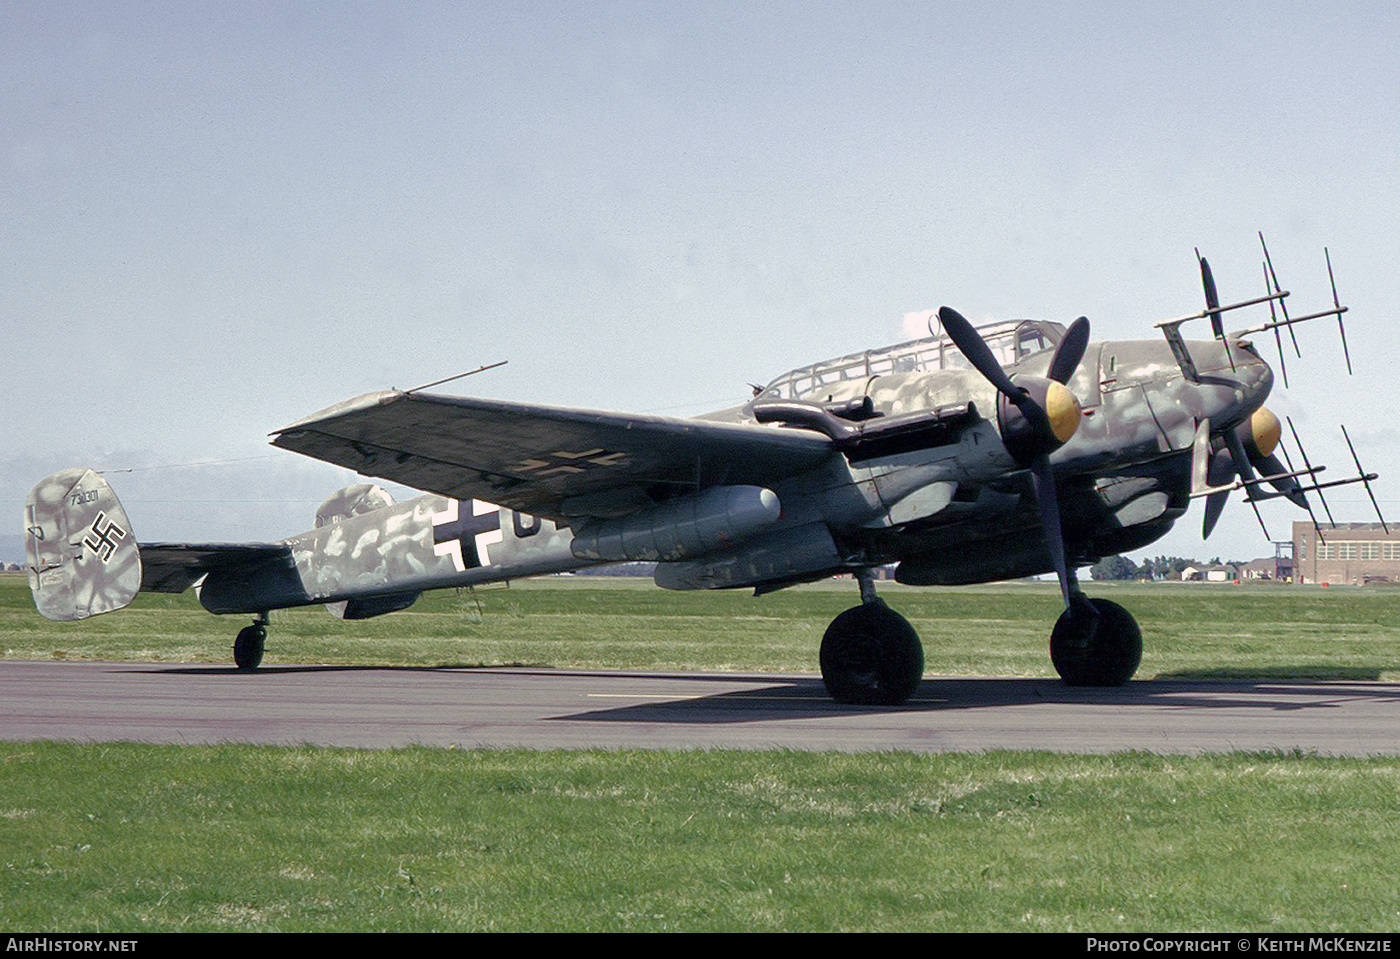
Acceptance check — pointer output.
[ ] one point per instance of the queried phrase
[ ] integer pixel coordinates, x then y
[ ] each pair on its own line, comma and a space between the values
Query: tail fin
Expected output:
82, 556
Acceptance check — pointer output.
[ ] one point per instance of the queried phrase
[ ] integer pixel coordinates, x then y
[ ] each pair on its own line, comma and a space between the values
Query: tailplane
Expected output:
81, 553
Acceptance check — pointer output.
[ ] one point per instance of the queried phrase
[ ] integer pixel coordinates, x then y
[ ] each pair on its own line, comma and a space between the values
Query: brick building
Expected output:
1352, 553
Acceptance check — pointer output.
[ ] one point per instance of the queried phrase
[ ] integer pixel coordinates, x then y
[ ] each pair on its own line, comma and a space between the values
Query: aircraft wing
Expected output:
175, 567
549, 461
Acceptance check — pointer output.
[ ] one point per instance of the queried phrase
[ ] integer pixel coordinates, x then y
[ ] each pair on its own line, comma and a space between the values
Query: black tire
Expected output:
248, 647
1104, 655
871, 656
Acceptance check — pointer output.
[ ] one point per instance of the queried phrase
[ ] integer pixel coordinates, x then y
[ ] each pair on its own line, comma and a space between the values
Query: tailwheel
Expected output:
871, 656
248, 646
1095, 643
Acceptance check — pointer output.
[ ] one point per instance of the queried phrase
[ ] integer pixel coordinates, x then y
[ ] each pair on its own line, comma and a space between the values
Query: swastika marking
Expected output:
103, 540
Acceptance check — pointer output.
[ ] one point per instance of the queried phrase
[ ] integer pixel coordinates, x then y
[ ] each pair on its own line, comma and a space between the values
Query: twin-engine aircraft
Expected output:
972, 455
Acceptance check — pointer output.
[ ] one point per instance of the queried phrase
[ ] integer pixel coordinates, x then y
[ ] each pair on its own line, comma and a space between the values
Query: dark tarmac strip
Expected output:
376, 706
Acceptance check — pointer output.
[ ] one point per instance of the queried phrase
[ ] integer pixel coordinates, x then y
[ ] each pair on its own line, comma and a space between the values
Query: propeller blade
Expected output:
1215, 505
1212, 298
1063, 364
1305, 504
1238, 456
966, 338
1270, 467
1048, 503
1070, 351
1052, 415
1220, 471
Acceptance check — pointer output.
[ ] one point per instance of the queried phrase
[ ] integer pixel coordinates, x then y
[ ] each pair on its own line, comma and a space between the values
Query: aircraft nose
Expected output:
1054, 417
1063, 409
1261, 432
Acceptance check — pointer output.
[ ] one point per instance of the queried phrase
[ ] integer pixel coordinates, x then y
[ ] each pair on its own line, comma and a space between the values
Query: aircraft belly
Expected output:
997, 535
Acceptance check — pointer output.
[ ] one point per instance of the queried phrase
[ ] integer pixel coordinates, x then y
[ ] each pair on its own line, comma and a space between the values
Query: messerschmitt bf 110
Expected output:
975, 454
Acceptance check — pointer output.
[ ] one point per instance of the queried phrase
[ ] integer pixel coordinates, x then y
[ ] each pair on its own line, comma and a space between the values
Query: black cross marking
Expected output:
104, 540
567, 461
464, 530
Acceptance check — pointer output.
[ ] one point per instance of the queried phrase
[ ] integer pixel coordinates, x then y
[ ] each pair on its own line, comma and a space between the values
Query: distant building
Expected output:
1219, 573
1352, 553
1277, 569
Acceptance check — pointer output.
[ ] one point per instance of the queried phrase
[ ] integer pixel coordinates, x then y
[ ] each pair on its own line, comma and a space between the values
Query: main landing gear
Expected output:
1095, 643
248, 646
870, 655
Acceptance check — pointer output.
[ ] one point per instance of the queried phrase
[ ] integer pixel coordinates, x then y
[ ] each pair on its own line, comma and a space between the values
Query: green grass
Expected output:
144, 838
1190, 631
136, 838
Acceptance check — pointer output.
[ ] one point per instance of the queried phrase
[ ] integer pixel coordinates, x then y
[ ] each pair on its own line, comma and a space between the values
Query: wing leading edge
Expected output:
555, 462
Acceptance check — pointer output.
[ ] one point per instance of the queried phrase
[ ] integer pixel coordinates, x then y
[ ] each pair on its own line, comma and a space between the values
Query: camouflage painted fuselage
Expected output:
957, 511
395, 552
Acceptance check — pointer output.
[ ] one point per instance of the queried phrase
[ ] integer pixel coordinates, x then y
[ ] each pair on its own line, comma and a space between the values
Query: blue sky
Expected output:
220, 217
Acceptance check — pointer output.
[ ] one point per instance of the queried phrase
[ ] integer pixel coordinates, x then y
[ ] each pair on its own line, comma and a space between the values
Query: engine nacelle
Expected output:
775, 559
707, 522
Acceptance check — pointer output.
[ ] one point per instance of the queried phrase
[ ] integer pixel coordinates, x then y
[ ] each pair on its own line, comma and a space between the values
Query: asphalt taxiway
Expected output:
377, 707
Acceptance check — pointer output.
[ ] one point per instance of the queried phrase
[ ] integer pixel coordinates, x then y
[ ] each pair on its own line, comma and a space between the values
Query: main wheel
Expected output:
871, 656
248, 647
1101, 646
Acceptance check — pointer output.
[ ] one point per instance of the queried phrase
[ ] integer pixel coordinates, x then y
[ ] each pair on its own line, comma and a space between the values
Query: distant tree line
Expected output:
1163, 567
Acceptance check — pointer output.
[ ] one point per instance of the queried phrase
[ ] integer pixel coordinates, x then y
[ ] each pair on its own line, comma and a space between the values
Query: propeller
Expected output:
1070, 351
1219, 472
1037, 417
1217, 325
1247, 451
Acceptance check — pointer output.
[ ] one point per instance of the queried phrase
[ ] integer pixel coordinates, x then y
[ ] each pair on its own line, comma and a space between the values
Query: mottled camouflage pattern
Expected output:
352, 501
81, 555
392, 550
963, 512
960, 511
344, 503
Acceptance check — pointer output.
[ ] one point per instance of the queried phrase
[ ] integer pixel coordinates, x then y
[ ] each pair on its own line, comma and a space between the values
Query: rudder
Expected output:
82, 556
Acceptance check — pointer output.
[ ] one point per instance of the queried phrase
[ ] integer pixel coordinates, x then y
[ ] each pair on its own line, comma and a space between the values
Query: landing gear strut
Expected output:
248, 646
1095, 643
870, 655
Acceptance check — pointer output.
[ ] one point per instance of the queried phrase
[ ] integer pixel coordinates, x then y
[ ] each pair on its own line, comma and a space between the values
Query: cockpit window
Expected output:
1010, 342
1031, 338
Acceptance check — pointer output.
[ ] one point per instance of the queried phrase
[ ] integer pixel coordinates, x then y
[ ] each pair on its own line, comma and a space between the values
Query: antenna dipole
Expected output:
458, 376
